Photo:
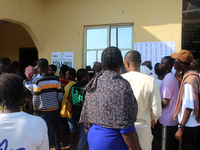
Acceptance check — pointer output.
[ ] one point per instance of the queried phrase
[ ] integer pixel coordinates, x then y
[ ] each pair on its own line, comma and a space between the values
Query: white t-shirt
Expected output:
159, 82
23, 131
188, 102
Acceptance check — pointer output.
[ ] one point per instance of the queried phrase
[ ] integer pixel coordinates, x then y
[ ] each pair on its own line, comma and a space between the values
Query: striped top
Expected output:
47, 93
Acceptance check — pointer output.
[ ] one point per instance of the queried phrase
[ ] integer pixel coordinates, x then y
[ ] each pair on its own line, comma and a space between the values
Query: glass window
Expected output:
124, 53
124, 37
96, 38
113, 37
91, 58
99, 55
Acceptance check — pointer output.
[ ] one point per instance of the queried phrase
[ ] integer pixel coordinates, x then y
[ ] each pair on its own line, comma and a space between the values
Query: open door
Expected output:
191, 26
27, 56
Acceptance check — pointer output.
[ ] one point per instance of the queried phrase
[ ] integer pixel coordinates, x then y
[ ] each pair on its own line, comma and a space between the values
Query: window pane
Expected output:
91, 58
125, 37
96, 38
124, 53
113, 37
99, 56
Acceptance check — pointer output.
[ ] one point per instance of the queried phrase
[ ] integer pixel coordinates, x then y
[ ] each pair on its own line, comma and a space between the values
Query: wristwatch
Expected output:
181, 126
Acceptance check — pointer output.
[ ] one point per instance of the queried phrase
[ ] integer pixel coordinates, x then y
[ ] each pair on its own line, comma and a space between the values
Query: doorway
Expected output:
27, 56
191, 26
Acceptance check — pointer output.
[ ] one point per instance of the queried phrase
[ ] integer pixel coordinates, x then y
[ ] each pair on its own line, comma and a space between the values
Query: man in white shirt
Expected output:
187, 106
146, 91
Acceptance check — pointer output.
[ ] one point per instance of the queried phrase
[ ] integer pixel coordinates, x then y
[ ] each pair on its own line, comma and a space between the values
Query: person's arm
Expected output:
188, 104
131, 139
153, 123
165, 102
155, 101
59, 92
66, 94
184, 120
36, 96
167, 91
65, 100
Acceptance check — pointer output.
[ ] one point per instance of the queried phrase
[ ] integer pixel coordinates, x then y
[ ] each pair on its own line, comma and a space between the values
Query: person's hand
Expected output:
152, 123
178, 76
179, 134
35, 114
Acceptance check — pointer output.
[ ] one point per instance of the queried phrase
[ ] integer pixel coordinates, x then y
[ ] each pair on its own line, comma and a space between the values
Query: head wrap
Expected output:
29, 72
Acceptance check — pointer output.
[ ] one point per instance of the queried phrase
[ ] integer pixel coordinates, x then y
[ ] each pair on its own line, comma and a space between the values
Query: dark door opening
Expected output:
191, 26
27, 56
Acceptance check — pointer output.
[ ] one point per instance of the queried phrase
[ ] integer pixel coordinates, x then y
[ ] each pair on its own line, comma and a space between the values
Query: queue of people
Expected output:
105, 111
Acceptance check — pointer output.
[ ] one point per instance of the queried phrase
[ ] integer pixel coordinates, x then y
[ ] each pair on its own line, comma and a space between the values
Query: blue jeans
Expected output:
82, 142
72, 125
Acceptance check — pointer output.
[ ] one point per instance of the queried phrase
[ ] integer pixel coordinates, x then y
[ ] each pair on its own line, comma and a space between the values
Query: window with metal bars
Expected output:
98, 38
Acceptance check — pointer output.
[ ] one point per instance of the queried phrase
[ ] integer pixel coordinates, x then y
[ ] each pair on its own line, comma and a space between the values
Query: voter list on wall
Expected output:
60, 58
154, 51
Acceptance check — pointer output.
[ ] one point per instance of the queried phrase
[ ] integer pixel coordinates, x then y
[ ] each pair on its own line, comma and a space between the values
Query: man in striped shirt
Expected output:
47, 95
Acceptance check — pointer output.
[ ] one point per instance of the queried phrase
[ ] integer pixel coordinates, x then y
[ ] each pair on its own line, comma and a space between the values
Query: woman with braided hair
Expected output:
110, 107
18, 129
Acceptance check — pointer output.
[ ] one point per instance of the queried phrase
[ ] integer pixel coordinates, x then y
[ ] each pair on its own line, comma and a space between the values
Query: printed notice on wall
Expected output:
60, 58
155, 51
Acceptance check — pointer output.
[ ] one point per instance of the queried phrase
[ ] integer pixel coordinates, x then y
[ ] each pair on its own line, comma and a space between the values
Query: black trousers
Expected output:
171, 141
191, 138
52, 118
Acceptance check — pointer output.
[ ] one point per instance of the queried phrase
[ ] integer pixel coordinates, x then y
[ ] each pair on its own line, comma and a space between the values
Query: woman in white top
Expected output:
19, 130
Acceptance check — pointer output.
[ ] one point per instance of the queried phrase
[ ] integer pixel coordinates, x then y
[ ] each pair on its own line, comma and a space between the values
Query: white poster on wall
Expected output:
60, 58
154, 51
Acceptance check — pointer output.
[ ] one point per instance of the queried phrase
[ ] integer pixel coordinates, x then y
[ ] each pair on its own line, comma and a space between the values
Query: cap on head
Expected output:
184, 55
42, 63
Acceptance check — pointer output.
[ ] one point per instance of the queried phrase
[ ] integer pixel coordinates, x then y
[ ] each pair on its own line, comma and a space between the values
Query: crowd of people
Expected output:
120, 105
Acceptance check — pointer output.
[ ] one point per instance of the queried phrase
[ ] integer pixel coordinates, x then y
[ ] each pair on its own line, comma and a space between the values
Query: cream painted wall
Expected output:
58, 25
15, 37
64, 21
1, 39
28, 14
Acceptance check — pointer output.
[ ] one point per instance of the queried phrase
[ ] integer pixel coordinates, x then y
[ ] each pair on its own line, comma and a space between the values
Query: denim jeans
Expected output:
82, 142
